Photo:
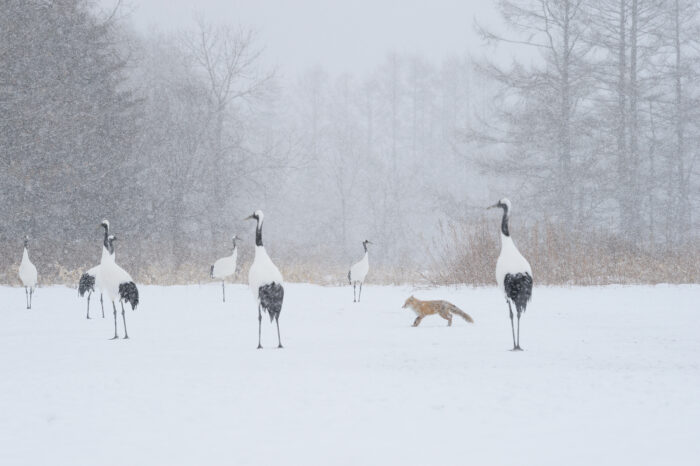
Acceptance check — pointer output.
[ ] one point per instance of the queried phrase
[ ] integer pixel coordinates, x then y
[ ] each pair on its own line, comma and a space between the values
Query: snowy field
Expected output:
609, 376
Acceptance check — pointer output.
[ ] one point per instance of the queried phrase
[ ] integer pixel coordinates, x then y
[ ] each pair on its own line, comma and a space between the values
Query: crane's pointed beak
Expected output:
249, 217
492, 206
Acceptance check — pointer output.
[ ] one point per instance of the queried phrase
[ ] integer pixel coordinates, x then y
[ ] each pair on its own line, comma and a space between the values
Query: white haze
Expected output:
342, 36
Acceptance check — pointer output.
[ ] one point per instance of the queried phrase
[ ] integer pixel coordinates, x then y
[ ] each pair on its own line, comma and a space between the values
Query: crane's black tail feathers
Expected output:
129, 293
86, 283
518, 288
349, 279
211, 272
271, 297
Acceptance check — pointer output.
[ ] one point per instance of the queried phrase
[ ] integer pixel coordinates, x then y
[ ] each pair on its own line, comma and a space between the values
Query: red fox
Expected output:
426, 308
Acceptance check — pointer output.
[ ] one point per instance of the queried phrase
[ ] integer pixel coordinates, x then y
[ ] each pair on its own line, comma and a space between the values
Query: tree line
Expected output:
176, 137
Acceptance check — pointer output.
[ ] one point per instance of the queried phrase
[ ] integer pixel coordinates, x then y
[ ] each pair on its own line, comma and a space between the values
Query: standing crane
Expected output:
27, 273
118, 284
513, 272
225, 267
265, 281
358, 272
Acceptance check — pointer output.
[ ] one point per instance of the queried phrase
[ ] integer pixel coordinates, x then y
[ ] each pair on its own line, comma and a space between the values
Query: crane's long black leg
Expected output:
354, 292
279, 339
518, 344
359, 296
126, 334
259, 325
115, 322
510, 309
223, 289
88, 310
26, 296
103, 306
31, 292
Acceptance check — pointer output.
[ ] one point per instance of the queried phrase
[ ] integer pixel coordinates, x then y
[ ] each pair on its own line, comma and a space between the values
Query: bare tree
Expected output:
229, 61
543, 117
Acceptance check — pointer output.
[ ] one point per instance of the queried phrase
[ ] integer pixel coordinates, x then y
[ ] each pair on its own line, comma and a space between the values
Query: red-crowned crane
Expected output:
358, 272
225, 267
513, 272
27, 273
265, 281
118, 284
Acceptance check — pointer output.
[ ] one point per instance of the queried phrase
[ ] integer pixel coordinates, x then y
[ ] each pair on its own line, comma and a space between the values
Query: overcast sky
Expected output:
350, 35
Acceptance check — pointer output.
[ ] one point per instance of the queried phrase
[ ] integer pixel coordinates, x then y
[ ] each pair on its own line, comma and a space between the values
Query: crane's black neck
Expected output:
258, 233
364, 245
109, 246
26, 244
234, 243
504, 221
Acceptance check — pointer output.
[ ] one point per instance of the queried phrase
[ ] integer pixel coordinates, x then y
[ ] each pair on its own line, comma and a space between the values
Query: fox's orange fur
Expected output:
443, 308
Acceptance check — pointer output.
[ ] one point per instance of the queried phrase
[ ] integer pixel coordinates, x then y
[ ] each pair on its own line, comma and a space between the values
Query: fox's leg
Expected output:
445, 314
417, 321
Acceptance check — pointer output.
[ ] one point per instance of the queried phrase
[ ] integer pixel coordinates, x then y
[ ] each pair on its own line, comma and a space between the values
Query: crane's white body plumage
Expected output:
106, 258
111, 276
226, 266
262, 272
510, 261
27, 271
359, 270
94, 271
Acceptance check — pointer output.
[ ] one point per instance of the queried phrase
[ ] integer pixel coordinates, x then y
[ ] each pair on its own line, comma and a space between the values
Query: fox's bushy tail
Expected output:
461, 313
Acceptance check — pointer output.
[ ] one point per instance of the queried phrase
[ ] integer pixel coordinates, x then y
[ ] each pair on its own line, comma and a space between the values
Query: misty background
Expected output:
397, 122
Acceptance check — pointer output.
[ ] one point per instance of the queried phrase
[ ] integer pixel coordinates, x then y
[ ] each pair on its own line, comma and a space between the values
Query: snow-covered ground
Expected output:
610, 376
